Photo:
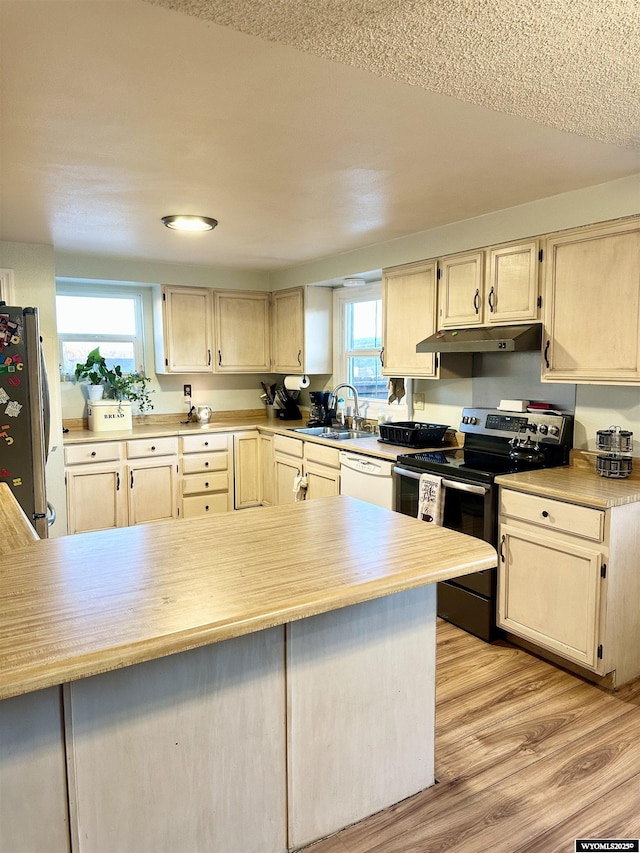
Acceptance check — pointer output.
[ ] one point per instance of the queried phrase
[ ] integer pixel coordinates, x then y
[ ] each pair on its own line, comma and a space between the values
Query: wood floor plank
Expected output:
457, 645
617, 815
491, 704
465, 673
499, 751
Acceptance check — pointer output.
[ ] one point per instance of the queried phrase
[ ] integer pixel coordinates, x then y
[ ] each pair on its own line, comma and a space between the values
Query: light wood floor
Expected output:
528, 758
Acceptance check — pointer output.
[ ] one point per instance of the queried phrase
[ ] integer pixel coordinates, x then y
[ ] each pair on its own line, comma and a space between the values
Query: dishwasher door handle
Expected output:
448, 484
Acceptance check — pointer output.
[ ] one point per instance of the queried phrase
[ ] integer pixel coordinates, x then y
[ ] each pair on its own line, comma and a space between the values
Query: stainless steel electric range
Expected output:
496, 442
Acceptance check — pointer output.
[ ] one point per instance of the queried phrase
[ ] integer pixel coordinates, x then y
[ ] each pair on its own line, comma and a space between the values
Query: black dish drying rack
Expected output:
412, 434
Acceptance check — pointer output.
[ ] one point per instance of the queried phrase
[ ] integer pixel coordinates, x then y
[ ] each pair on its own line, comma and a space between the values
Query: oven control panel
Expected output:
539, 426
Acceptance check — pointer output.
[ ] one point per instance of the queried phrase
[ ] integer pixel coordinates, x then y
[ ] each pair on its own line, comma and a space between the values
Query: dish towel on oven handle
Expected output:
430, 499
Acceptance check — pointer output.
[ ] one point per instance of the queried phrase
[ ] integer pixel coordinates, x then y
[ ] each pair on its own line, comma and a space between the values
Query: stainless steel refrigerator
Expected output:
24, 414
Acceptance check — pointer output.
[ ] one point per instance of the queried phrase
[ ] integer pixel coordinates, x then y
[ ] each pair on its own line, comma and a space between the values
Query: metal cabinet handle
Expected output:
476, 301
117, 482
382, 356
544, 513
219, 358
206, 444
492, 307
546, 352
208, 358
93, 453
132, 479
501, 551
153, 447
299, 354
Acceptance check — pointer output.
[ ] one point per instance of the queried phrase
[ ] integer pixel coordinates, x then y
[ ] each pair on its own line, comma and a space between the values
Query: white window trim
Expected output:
369, 408
113, 292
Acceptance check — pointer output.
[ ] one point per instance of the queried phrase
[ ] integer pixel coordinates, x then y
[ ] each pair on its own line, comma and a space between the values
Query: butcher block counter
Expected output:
245, 682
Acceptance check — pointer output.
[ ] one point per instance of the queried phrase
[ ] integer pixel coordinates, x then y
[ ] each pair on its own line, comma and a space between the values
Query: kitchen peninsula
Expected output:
246, 682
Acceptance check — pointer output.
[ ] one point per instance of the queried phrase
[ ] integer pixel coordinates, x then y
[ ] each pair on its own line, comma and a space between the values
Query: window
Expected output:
106, 317
359, 342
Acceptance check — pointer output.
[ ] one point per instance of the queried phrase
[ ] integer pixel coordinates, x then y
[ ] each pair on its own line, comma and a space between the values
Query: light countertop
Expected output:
367, 446
81, 605
577, 483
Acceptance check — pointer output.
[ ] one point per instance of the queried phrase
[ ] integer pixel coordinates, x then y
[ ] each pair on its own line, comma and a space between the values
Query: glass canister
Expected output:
617, 443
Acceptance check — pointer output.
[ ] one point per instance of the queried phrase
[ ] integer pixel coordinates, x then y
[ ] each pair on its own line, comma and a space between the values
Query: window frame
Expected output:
111, 292
369, 406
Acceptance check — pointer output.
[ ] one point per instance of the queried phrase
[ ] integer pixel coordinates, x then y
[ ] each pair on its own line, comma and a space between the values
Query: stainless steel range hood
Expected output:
491, 339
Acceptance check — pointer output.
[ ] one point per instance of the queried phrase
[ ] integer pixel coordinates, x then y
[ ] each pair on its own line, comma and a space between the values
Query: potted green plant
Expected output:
115, 384
95, 372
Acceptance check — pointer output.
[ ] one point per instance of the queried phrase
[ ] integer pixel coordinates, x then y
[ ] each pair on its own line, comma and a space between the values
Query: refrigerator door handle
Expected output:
51, 514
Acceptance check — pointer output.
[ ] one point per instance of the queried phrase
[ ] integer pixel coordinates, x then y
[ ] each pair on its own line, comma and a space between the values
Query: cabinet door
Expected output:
246, 469
592, 306
242, 332
460, 291
286, 469
96, 497
266, 470
511, 287
153, 492
549, 593
409, 316
288, 330
187, 325
321, 481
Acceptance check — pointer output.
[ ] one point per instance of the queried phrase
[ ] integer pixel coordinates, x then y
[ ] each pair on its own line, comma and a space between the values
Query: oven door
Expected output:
468, 507
468, 601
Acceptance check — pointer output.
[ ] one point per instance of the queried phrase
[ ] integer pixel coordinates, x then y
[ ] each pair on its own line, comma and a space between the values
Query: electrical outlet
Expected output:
418, 401
187, 393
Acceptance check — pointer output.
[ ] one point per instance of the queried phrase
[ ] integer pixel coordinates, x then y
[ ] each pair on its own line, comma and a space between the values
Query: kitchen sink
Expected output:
333, 433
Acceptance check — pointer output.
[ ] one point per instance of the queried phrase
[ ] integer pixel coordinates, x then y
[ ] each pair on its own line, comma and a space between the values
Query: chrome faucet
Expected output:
357, 420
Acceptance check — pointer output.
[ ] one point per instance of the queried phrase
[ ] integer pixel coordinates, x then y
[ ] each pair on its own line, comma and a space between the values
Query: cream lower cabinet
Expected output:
206, 474
568, 581
322, 470
267, 475
592, 305
115, 484
287, 466
246, 469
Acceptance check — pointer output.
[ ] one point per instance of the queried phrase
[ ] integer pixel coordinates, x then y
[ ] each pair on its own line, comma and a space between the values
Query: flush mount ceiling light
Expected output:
354, 282
189, 223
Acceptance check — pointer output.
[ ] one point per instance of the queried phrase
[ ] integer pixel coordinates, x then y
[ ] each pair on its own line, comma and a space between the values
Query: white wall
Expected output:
34, 285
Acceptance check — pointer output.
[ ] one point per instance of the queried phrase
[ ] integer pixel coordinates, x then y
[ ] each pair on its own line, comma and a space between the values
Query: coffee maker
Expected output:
321, 414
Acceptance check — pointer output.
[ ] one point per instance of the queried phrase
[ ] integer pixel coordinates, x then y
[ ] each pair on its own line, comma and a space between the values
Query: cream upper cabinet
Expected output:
592, 305
242, 332
184, 330
460, 291
511, 287
409, 304
301, 330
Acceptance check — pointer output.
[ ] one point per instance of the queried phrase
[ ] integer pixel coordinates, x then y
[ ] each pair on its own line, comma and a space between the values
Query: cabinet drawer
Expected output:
104, 451
195, 484
204, 442
142, 447
554, 515
290, 446
197, 506
200, 464
321, 454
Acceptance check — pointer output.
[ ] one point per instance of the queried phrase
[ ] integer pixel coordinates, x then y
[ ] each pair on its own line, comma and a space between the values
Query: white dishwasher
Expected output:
367, 478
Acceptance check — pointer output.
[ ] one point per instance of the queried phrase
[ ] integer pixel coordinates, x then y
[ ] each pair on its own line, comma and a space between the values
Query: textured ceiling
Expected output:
569, 64
310, 128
